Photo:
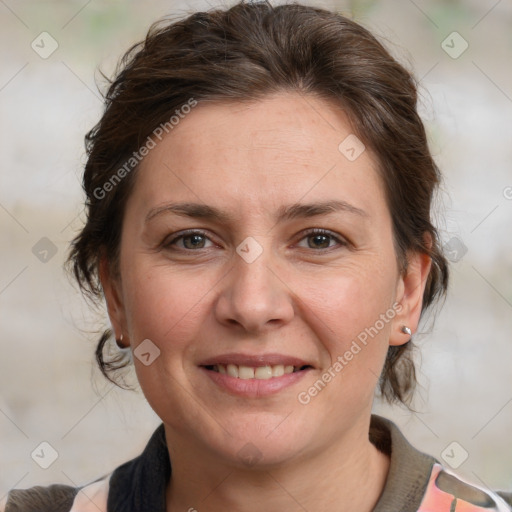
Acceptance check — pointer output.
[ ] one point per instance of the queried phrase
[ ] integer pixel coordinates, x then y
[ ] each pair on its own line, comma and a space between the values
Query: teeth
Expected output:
263, 372
245, 372
259, 373
232, 370
277, 370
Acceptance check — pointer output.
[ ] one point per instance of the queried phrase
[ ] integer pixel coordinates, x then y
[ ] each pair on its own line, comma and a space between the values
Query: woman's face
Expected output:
219, 267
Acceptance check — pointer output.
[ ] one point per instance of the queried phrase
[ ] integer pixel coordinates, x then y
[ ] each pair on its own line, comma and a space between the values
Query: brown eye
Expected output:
322, 239
191, 240
196, 241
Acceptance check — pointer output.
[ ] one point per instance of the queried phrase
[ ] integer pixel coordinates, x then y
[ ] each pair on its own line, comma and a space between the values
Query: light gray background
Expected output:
50, 389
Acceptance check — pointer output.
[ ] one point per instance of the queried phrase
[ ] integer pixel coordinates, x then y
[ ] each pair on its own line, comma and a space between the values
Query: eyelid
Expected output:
304, 234
322, 231
182, 234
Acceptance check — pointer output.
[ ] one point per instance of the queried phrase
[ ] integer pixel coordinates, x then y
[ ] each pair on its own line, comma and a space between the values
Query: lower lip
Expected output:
254, 388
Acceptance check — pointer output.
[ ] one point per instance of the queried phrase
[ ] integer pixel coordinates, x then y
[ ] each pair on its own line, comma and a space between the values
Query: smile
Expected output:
257, 372
254, 375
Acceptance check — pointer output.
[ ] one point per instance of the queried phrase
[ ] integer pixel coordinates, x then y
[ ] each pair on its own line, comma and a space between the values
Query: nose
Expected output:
254, 296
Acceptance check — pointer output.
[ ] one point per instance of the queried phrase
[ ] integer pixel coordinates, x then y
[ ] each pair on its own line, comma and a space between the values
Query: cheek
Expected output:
165, 305
353, 314
169, 309
351, 299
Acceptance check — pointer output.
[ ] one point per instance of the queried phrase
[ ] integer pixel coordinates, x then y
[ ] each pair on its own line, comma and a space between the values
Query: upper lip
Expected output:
254, 360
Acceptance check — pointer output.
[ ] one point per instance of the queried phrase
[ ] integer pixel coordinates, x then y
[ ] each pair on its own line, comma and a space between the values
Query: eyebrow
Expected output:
284, 213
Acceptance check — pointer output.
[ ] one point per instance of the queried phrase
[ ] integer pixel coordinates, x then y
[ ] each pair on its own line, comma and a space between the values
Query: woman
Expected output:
259, 197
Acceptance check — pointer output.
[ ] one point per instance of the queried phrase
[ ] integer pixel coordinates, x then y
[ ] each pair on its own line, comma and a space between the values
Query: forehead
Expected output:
257, 155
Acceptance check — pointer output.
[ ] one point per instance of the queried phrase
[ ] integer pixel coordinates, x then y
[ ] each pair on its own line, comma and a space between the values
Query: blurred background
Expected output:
50, 389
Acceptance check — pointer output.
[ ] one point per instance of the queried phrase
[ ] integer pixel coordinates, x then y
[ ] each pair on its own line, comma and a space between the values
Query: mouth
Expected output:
255, 372
254, 376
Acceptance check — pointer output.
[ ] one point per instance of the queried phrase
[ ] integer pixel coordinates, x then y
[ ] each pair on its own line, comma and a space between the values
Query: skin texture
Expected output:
303, 296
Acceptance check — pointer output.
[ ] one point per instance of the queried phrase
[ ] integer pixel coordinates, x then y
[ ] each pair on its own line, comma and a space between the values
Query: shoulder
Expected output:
59, 498
446, 491
417, 481
136, 486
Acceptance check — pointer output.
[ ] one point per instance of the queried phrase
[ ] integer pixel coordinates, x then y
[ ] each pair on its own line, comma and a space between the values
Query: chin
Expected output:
262, 443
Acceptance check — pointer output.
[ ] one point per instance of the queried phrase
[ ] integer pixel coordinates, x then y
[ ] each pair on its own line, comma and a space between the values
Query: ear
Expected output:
113, 296
410, 288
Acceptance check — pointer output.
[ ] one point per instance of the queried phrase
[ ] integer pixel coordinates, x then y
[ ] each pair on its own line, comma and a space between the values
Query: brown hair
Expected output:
244, 53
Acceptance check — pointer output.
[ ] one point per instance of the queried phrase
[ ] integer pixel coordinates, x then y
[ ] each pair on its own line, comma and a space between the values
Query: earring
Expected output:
406, 330
119, 343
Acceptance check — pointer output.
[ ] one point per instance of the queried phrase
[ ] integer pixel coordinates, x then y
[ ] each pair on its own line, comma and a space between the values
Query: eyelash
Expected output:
306, 234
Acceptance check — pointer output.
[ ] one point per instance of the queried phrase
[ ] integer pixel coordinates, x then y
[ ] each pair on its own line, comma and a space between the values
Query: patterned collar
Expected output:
416, 481
140, 484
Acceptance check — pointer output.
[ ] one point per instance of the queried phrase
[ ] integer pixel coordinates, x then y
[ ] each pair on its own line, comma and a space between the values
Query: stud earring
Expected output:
119, 342
406, 330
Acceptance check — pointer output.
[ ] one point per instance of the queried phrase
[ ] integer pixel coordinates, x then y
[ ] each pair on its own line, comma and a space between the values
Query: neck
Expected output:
347, 475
